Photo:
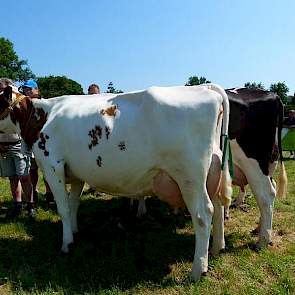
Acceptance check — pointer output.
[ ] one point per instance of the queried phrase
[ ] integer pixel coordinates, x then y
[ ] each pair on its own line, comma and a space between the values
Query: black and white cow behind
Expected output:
158, 141
256, 118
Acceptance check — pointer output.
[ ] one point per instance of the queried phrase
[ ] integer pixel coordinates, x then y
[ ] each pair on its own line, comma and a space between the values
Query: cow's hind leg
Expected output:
74, 201
55, 176
265, 193
197, 200
218, 226
213, 187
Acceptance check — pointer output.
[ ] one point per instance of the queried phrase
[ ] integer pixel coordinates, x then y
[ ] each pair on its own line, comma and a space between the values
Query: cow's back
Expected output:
121, 151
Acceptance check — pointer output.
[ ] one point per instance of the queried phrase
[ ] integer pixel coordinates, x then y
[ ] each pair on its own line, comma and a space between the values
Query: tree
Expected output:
254, 85
194, 80
52, 86
112, 89
281, 89
10, 65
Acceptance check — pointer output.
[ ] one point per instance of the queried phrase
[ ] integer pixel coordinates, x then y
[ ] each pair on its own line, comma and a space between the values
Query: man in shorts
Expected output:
15, 164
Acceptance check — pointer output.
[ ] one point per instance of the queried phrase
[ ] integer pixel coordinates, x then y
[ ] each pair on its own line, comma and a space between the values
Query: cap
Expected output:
30, 84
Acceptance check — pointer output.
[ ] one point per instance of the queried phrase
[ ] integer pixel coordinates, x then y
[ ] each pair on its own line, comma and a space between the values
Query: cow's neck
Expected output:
30, 120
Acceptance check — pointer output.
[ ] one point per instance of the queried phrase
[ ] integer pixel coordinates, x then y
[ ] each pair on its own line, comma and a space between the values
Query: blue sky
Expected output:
141, 43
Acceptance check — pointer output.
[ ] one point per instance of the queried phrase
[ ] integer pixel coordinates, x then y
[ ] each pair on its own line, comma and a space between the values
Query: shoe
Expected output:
31, 210
49, 197
16, 211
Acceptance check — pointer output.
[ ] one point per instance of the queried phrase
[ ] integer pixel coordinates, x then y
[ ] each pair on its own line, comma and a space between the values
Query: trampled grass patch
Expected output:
116, 253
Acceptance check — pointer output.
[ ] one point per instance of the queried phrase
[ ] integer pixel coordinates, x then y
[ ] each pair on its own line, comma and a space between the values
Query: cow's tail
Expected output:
282, 180
226, 181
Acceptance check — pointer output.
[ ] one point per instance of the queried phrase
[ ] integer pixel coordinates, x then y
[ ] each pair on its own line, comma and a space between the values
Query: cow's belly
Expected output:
122, 181
167, 190
153, 182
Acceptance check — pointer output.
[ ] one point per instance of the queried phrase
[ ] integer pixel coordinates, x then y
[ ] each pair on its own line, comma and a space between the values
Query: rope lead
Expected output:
230, 160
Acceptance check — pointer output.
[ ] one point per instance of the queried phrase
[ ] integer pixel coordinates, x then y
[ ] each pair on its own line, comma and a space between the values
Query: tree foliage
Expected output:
254, 85
195, 80
281, 89
10, 65
112, 89
53, 86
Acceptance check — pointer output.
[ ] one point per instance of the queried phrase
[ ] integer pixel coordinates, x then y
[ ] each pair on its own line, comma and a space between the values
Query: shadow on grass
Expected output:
249, 242
113, 249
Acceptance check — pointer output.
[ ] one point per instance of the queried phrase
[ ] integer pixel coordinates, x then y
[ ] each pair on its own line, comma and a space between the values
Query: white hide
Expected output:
168, 129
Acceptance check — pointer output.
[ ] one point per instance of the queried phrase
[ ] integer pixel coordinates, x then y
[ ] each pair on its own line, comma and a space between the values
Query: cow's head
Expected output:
5, 98
8, 99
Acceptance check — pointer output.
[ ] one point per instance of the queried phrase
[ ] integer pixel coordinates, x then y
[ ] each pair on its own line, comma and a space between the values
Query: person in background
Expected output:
30, 88
15, 164
289, 123
290, 120
93, 89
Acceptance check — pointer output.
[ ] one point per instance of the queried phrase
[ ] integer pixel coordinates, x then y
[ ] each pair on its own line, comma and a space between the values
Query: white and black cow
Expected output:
154, 142
256, 119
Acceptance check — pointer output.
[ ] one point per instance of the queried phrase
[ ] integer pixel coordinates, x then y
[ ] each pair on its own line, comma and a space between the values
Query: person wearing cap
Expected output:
30, 88
15, 164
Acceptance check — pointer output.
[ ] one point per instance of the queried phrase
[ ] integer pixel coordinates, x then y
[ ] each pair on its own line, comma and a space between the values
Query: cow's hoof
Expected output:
75, 229
262, 245
255, 231
214, 252
65, 249
254, 247
222, 251
197, 275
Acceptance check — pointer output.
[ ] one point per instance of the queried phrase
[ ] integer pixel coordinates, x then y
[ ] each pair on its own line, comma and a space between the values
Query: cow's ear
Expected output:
7, 93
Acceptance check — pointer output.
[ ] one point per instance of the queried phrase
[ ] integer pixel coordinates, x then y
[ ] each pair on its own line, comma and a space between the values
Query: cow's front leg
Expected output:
74, 201
56, 178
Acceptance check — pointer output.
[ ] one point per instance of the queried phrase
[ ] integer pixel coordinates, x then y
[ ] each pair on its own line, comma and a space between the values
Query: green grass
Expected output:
150, 256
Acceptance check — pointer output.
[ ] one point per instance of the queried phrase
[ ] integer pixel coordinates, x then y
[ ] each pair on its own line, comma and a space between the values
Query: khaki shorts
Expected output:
14, 163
